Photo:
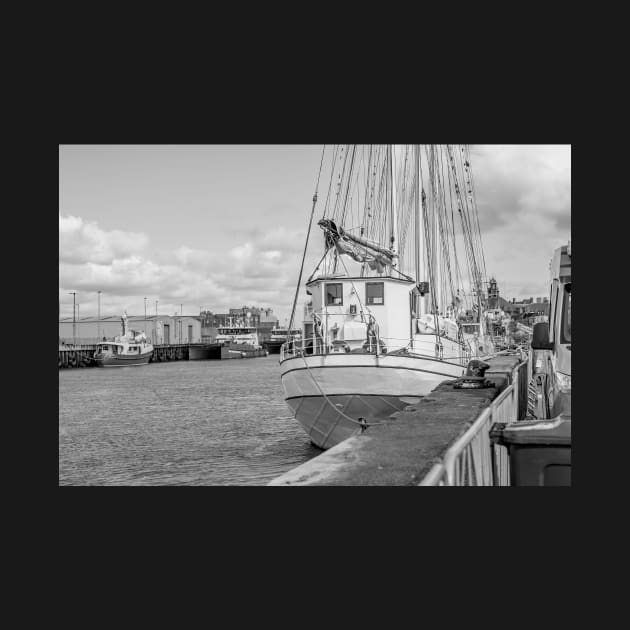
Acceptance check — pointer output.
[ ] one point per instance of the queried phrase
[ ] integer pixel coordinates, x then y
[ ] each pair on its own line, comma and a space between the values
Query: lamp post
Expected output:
155, 324
78, 321
145, 315
181, 322
74, 331
98, 319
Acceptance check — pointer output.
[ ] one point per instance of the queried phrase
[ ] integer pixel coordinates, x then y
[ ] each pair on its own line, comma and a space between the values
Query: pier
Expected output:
83, 355
444, 440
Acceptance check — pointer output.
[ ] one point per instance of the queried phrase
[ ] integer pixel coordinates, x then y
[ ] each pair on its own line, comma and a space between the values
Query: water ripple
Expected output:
181, 423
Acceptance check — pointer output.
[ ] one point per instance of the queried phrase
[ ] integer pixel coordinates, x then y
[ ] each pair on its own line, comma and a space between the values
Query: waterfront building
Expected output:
163, 329
528, 309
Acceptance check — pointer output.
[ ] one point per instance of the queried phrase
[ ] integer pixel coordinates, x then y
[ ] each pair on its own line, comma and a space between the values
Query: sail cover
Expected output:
361, 250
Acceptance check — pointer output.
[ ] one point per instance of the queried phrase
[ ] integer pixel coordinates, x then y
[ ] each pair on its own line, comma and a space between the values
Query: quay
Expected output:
83, 355
444, 440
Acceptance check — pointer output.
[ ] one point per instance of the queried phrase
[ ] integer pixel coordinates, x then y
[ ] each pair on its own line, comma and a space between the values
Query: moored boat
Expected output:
129, 349
383, 326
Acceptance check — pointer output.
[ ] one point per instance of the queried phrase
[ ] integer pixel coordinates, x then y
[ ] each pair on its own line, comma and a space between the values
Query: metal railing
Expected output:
315, 345
472, 460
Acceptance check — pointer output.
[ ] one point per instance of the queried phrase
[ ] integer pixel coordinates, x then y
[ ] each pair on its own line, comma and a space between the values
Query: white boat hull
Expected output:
329, 394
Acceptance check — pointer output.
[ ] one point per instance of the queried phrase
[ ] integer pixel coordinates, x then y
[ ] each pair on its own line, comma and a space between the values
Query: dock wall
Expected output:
404, 449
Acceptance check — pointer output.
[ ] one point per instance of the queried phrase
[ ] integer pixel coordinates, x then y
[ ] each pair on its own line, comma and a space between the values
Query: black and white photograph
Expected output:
315, 315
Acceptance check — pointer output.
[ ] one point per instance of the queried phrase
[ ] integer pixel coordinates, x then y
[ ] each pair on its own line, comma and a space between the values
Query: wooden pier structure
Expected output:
83, 355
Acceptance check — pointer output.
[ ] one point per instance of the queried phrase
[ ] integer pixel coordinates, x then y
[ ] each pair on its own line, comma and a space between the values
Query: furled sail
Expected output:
361, 250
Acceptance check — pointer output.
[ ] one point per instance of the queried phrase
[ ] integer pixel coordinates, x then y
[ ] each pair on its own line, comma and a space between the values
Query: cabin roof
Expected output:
358, 279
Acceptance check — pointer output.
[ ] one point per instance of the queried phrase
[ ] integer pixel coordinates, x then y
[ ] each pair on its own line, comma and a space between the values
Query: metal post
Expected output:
145, 316
98, 322
155, 324
78, 321
74, 332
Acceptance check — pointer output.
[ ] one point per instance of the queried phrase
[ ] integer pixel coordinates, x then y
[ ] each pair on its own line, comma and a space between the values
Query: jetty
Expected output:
83, 355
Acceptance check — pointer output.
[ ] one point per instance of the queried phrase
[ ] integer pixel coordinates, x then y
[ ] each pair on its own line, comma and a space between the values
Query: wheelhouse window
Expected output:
565, 335
334, 294
374, 293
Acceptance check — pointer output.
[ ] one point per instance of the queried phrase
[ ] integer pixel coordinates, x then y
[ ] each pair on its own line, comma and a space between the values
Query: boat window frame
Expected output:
333, 284
367, 299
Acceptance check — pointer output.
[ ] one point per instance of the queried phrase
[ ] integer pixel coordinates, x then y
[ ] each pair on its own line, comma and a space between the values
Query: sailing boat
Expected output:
383, 326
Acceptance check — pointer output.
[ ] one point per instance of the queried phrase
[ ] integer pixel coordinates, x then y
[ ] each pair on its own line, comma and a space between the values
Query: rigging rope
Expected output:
310, 223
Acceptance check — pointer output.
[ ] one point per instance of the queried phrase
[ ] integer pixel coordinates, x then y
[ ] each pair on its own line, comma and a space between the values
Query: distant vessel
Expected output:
130, 348
238, 337
281, 335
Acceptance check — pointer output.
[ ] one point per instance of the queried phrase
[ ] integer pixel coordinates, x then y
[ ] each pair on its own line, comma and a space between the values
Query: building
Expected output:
528, 308
163, 329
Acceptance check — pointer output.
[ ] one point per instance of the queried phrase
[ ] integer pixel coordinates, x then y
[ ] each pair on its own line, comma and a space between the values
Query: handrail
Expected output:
435, 477
316, 346
472, 459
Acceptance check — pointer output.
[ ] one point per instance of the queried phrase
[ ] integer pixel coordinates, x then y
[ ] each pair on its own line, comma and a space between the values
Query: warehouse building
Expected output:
163, 329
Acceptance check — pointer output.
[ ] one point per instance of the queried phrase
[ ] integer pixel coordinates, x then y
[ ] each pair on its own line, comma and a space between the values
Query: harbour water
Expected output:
177, 423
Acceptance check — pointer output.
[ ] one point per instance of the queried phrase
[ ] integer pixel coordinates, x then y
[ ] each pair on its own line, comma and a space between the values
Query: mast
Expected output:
394, 211
419, 306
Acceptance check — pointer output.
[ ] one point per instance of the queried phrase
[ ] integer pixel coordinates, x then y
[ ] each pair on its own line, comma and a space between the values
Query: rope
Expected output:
310, 223
341, 413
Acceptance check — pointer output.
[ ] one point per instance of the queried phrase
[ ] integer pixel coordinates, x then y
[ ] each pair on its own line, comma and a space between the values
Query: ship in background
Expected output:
279, 336
240, 339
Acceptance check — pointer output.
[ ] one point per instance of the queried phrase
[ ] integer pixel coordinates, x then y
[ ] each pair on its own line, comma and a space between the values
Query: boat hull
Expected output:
123, 361
204, 352
273, 346
329, 394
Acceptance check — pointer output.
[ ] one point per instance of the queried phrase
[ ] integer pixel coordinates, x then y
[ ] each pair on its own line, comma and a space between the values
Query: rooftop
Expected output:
130, 318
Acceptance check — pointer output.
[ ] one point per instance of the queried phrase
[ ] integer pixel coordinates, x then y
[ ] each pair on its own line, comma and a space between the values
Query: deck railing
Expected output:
472, 460
316, 346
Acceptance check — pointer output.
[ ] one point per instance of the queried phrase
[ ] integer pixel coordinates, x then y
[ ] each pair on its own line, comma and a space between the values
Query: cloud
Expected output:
259, 271
531, 180
85, 242
523, 196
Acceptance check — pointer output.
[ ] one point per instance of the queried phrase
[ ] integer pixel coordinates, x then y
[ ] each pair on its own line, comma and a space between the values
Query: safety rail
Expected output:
472, 460
313, 346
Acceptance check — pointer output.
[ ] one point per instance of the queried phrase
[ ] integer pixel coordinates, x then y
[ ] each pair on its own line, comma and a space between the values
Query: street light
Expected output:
155, 324
74, 331
98, 321
145, 315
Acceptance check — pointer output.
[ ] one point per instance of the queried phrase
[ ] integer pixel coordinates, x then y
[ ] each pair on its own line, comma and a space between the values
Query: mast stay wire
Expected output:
310, 223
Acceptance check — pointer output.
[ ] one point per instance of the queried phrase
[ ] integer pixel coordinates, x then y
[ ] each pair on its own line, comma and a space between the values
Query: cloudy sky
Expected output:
222, 226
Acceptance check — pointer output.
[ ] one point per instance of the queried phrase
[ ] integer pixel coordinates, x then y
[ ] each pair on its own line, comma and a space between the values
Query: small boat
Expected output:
130, 348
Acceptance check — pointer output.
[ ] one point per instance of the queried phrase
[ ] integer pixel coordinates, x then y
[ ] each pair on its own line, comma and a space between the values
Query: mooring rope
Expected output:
330, 402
